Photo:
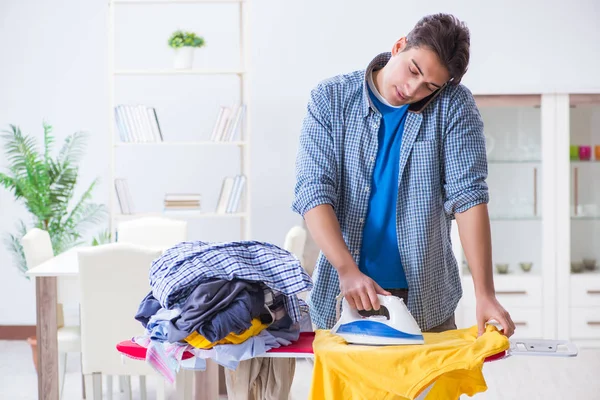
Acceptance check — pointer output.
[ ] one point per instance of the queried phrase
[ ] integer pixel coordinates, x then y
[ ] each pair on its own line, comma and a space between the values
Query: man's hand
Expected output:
359, 290
489, 308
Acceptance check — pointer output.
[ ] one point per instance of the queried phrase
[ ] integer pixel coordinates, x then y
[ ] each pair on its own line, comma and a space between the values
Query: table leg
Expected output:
47, 343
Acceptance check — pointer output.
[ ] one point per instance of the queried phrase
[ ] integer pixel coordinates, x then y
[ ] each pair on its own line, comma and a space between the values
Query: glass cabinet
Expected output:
517, 155
512, 125
581, 319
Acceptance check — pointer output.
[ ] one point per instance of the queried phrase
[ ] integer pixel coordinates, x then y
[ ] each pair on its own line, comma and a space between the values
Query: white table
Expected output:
65, 267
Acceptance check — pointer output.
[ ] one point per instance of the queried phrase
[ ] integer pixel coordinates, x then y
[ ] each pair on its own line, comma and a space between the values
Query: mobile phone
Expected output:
420, 105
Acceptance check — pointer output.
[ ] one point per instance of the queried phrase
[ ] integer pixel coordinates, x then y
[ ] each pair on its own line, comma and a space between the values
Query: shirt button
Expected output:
366, 189
361, 220
356, 252
372, 158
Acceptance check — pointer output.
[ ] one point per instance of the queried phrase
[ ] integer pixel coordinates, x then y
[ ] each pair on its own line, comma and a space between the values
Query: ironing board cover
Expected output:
302, 345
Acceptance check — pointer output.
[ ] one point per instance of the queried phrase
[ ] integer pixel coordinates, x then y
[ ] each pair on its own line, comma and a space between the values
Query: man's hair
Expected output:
448, 38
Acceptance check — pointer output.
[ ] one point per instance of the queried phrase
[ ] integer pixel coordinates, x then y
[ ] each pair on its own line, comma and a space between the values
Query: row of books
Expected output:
229, 198
182, 202
228, 123
137, 123
231, 194
124, 196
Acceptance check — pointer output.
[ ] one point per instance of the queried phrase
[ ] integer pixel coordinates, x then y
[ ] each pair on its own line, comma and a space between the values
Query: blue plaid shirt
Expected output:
443, 167
179, 270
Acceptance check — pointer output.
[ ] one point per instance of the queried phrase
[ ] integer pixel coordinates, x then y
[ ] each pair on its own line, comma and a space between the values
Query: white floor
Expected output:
513, 378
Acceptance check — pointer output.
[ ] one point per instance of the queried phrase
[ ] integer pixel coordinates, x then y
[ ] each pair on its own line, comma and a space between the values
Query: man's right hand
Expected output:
359, 290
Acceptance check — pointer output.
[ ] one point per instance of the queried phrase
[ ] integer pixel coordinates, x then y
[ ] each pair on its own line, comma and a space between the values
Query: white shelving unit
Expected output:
556, 223
243, 144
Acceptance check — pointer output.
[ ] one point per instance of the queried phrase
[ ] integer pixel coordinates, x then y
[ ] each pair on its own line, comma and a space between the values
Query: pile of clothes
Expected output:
228, 301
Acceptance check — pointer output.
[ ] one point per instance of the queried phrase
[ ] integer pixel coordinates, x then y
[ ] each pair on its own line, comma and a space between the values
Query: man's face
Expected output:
411, 75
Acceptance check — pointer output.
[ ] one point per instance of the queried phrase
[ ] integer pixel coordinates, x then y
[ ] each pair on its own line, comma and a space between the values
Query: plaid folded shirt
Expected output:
177, 272
443, 167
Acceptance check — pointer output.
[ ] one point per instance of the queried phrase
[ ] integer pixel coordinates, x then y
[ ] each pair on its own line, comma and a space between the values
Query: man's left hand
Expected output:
489, 308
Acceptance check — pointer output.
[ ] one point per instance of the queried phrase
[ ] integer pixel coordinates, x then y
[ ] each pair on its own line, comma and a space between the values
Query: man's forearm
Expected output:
475, 236
325, 230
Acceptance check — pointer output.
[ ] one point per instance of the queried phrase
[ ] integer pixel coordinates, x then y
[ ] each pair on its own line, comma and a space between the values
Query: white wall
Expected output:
54, 67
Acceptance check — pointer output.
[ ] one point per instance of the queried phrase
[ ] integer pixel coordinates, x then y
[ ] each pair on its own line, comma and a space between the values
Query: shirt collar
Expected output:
377, 63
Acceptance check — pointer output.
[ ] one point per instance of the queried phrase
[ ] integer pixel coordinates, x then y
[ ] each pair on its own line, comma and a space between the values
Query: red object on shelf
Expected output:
303, 345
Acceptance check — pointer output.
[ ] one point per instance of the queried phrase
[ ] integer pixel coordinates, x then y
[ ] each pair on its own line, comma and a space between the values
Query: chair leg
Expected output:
83, 396
109, 387
160, 388
97, 386
122, 383
62, 369
127, 387
89, 386
143, 392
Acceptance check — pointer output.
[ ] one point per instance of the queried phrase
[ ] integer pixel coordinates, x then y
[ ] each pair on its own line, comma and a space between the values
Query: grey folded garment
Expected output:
217, 307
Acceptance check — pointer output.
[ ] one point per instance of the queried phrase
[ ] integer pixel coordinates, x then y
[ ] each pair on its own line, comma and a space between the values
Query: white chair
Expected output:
157, 233
153, 232
295, 242
113, 279
37, 247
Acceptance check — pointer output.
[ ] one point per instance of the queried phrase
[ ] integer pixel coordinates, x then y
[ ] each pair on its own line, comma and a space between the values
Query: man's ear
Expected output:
399, 46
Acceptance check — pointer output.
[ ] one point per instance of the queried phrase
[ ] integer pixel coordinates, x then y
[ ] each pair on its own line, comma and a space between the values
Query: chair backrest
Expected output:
113, 280
295, 241
153, 232
37, 247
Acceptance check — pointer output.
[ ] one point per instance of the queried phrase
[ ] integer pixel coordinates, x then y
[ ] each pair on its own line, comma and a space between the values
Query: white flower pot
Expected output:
184, 58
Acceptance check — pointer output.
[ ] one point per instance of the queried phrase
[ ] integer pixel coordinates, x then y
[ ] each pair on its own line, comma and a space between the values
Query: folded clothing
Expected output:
200, 342
453, 360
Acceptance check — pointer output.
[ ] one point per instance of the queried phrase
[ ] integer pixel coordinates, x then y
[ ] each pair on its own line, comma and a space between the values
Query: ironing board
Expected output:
302, 348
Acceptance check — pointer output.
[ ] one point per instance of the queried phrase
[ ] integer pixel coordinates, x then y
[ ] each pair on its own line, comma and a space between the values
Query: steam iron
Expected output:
392, 324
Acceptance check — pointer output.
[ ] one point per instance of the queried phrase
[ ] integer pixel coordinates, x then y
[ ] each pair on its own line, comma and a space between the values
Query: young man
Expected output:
388, 156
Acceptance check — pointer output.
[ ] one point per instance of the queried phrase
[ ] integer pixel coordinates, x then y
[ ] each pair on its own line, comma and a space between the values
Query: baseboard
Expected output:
16, 332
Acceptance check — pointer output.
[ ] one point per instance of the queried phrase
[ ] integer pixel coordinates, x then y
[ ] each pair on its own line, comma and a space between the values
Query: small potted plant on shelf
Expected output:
46, 185
184, 44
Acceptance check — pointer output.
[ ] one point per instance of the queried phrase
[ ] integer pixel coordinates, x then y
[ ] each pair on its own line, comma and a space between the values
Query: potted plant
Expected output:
46, 185
184, 44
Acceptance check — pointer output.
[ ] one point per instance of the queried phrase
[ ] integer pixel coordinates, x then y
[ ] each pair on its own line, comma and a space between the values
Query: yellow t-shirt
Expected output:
452, 359
200, 342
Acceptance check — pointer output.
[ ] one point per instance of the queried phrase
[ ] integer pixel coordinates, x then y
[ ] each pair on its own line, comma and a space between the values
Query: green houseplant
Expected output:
46, 186
184, 44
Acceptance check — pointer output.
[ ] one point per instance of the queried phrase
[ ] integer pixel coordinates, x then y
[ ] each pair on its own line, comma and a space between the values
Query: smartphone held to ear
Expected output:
420, 105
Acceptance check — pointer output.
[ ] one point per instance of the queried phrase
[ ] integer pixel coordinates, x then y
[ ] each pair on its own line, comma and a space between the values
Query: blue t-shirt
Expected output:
379, 254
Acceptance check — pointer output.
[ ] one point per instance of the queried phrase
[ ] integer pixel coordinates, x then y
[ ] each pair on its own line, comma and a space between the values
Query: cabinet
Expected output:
520, 148
579, 219
544, 184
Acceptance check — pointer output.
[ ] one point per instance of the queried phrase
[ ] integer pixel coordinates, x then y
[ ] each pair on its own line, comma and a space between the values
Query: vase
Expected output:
184, 58
585, 153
